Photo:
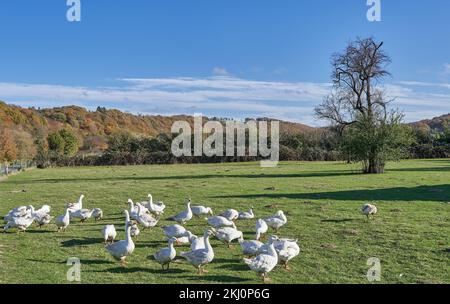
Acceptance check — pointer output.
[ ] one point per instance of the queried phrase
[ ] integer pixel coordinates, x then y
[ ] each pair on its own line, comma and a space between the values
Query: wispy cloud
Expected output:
220, 71
218, 96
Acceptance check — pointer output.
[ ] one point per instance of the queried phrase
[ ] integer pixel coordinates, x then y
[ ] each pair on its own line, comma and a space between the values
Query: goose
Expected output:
82, 214
261, 229
121, 249
135, 230
43, 220
246, 215
228, 234
78, 205
219, 222
369, 209
156, 208
183, 216
63, 221
144, 210
133, 209
166, 255
264, 263
184, 240
201, 210
175, 231
197, 243
97, 214
145, 219
17, 212
287, 250
44, 210
200, 257
230, 214
109, 233
276, 221
250, 248
21, 223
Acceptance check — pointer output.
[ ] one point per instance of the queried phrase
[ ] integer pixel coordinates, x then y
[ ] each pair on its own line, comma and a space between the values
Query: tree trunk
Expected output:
374, 166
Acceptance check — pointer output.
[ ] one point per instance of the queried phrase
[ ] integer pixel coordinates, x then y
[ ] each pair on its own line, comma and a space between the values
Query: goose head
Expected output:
172, 240
209, 211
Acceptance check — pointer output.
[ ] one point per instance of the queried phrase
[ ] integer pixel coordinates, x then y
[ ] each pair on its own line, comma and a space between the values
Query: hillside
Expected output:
436, 123
93, 127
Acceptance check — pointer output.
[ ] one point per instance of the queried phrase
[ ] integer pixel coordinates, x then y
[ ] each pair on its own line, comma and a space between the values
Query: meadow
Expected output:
410, 234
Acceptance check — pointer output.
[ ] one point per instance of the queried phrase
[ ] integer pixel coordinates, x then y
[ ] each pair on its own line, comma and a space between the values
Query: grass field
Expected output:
410, 235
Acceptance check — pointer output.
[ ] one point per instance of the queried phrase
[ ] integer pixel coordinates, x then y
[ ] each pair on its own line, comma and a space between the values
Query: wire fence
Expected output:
16, 167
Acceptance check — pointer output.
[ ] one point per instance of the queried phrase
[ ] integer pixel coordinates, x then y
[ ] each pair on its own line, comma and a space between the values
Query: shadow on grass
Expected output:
216, 278
82, 242
178, 177
439, 193
337, 220
83, 261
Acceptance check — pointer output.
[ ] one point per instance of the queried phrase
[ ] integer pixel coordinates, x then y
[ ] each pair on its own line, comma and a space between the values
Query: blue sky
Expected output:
220, 58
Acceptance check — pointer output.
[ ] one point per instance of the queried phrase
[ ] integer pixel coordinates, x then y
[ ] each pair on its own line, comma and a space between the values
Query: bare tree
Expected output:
357, 99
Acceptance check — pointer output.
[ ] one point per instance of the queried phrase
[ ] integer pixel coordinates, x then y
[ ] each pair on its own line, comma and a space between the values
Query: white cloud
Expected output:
220, 71
219, 96
446, 68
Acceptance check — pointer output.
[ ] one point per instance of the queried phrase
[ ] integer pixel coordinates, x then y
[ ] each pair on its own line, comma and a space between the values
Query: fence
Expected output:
7, 169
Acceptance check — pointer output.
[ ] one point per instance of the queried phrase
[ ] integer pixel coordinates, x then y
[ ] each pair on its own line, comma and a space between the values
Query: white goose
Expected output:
135, 230
228, 234
63, 221
43, 220
82, 214
185, 240
369, 209
76, 206
183, 216
261, 229
156, 208
276, 221
247, 215
250, 248
200, 257
264, 263
97, 214
197, 242
21, 223
133, 209
230, 214
166, 255
121, 249
287, 250
201, 210
143, 209
175, 231
219, 222
145, 219
17, 212
109, 233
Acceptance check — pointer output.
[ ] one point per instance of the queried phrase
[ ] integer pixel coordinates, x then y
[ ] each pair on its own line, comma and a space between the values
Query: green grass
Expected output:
410, 235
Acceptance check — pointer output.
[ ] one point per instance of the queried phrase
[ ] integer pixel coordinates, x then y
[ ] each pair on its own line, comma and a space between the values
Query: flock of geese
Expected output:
259, 256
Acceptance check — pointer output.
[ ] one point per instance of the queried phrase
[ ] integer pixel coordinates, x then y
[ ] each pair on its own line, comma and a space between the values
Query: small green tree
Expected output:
70, 142
56, 143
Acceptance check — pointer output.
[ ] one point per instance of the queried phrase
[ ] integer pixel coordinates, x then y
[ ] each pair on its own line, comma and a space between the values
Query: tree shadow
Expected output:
304, 174
216, 278
438, 193
82, 242
337, 220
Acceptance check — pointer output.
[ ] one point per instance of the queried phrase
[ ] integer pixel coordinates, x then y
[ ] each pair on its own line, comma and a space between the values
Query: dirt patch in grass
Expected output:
328, 246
